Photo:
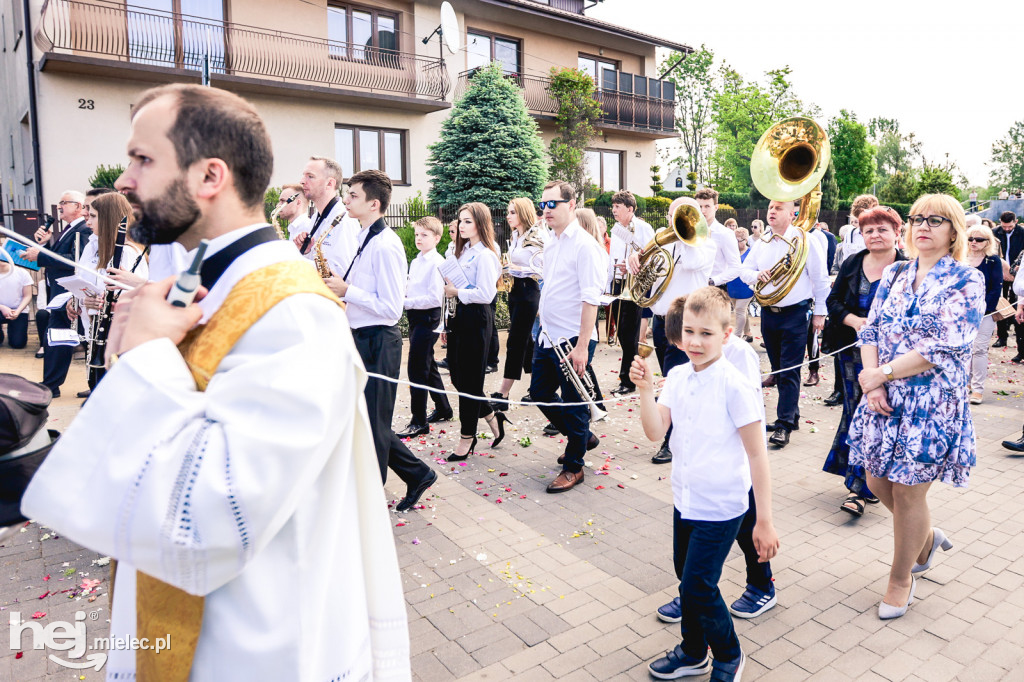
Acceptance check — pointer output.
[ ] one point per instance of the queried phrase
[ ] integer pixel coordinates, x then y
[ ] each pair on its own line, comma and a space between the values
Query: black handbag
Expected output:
24, 443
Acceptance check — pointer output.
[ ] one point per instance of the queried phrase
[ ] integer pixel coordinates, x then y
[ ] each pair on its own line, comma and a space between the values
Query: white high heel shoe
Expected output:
888, 611
939, 540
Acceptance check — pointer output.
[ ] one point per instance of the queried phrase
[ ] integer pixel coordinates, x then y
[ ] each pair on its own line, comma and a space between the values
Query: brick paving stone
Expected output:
897, 666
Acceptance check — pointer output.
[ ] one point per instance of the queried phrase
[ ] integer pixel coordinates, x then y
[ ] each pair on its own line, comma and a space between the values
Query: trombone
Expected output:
586, 385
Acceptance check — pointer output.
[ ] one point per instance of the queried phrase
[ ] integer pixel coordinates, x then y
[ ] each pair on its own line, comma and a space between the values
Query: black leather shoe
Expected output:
835, 399
550, 430
623, 389
1015, 445
491, 369
500, 419
526, 398
1017, 359
413, 430
413, 495
84, 394
593, 441
40, 352
498, 402
663, 455
438, 416
443, 364
780, 437
1000, 343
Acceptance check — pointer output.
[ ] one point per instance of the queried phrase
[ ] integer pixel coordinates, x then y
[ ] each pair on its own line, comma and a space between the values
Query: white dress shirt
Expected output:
481, 268
376, 291
575, 266
166, 260
727, 254
813, 281
340, 245
742, 356
425, 286
301, 224
520, 256
691, 271
643, 233
710, 469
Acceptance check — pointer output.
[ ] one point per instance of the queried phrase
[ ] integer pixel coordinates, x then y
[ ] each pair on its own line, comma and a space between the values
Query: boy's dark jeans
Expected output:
759, 575
700, 549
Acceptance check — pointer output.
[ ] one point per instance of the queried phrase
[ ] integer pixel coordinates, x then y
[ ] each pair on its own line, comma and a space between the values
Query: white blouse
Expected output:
481, 268
520, 256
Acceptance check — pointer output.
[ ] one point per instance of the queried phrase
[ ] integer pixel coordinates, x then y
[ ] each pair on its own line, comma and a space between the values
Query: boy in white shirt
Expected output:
718, 448
424, 297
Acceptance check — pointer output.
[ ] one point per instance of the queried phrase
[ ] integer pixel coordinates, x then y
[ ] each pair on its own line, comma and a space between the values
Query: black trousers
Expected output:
17, 330
574, 421
380, 347
57, 360
422, 366
468, 348
785, 335
1003, 326
627, 330
523, 301
492, 355
42, 321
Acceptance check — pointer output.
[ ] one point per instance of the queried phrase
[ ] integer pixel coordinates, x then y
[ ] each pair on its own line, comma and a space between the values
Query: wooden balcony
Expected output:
107, 39
642, 106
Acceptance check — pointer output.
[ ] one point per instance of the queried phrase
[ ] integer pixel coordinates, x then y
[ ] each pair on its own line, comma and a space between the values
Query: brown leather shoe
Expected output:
812, 379
768, 381
566, 480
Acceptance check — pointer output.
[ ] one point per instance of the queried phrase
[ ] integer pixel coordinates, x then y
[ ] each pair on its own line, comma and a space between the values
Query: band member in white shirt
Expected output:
784, 325
373, 288
626, 313
332, 229
296, 212
469, 338
527, 267
727, 254
574, 277
424, 298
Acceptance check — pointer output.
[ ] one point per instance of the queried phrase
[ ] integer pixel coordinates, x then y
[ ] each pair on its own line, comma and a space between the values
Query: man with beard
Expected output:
223, 456
332, 229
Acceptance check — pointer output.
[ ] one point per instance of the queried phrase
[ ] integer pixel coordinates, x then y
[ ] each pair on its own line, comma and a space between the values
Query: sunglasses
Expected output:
977, 239
552, 204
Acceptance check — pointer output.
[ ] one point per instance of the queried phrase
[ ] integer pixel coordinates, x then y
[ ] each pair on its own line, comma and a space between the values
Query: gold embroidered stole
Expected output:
163, 610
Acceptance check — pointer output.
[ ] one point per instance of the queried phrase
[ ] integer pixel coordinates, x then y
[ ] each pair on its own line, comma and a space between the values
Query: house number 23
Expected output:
86, 104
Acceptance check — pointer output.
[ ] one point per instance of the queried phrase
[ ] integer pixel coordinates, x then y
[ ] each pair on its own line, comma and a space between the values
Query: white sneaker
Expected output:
976, 398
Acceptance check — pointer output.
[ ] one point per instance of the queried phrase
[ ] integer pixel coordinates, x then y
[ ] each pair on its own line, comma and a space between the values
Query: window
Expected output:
484, 48
595, 66
359, 149
179, 33
363, 34
605, 169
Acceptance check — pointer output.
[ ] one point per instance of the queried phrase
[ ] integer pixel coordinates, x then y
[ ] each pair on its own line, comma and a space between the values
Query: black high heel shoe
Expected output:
455, 457
501, 419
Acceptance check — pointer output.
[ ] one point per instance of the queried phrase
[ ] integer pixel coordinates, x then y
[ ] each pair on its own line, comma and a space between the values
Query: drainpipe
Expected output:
33, 114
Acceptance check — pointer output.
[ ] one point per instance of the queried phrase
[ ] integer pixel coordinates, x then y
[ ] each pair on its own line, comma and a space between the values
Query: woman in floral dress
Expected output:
913, 425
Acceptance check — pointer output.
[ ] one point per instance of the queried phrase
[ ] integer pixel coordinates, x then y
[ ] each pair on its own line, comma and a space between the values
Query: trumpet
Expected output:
586, 385
447, 312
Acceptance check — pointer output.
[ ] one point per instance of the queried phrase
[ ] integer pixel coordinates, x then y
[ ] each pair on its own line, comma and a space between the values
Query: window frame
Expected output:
492, 36
622, 167
381, 152
598, 60
373, 53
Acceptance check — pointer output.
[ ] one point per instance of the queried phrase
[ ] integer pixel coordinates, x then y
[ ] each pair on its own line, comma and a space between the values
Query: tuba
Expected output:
686, 225
788, 163
532, 237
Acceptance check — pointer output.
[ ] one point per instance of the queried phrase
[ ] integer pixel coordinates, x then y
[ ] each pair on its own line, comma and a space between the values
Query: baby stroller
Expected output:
24, 444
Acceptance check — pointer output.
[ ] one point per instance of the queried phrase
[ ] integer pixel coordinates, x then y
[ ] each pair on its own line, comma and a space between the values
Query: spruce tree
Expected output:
490, 148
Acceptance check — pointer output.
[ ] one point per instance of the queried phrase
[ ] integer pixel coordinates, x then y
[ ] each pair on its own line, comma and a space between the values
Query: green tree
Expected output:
106, 176
656, 185
895, 151
489, 148
578, 113
937, 180
830, 188
696, 89
899, 188
1008, 158
852, 154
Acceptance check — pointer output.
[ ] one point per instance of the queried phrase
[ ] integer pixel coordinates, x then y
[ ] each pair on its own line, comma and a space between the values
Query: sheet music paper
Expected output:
624, 234
62, 337
79, 286
452, 271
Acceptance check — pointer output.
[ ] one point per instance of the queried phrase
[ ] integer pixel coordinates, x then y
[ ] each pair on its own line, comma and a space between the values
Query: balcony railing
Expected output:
640, 112
112, 31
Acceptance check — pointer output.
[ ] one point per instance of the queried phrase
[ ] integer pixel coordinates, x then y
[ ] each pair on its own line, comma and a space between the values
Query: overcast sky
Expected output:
941, 68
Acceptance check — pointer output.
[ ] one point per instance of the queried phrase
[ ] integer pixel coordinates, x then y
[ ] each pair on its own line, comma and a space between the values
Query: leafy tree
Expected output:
852, 154
106, 176
830, 188
578, 113
270, 199
937, 180
691, 181
899, 188
656, 185
895, 152
489, 148
1008, 158
696, 89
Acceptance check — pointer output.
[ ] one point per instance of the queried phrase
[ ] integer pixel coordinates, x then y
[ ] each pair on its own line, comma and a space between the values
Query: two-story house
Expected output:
354, 80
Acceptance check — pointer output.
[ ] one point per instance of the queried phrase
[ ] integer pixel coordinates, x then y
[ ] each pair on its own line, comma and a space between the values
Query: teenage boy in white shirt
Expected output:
713, 467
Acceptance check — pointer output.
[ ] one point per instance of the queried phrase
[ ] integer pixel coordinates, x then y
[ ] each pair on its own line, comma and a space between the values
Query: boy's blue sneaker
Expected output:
730, 671
671, 612
754, 602
677, 664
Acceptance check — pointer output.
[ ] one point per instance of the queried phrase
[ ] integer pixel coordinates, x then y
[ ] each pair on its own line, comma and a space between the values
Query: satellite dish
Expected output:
449, 27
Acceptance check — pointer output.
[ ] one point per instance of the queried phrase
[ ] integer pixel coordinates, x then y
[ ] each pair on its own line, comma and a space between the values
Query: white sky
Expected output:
941, 68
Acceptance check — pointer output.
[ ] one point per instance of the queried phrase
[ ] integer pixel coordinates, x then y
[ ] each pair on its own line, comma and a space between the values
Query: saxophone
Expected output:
322, 266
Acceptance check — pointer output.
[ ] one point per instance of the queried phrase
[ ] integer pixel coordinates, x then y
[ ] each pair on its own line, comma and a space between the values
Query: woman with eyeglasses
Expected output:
469, 338
848, 306
913, 426
983, 253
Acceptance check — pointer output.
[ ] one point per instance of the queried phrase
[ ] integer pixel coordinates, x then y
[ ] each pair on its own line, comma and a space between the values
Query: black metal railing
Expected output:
631, 110
112, 31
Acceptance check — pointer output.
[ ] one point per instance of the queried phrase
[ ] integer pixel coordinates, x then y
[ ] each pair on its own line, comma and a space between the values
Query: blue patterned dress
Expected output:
930, 434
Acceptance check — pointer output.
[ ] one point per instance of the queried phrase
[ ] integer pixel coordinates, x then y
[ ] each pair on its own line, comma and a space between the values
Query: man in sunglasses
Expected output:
1011, 243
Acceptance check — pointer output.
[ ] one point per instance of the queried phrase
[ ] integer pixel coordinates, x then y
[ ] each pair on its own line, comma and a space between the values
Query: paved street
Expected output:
504, 581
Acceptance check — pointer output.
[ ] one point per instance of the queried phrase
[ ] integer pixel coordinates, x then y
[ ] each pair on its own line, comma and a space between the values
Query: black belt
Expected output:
784, 308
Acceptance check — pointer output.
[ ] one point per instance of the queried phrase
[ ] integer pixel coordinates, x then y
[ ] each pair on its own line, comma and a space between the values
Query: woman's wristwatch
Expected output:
887, 371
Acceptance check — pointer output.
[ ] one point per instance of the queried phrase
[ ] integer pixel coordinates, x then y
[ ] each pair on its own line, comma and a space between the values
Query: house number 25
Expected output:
86, 104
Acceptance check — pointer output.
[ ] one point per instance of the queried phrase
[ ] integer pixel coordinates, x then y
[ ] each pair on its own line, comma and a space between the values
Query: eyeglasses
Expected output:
65, 203
978, 240
552, 204
932, 220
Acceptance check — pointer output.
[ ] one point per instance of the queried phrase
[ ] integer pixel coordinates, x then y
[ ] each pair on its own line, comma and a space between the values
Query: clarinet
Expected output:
101, 325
